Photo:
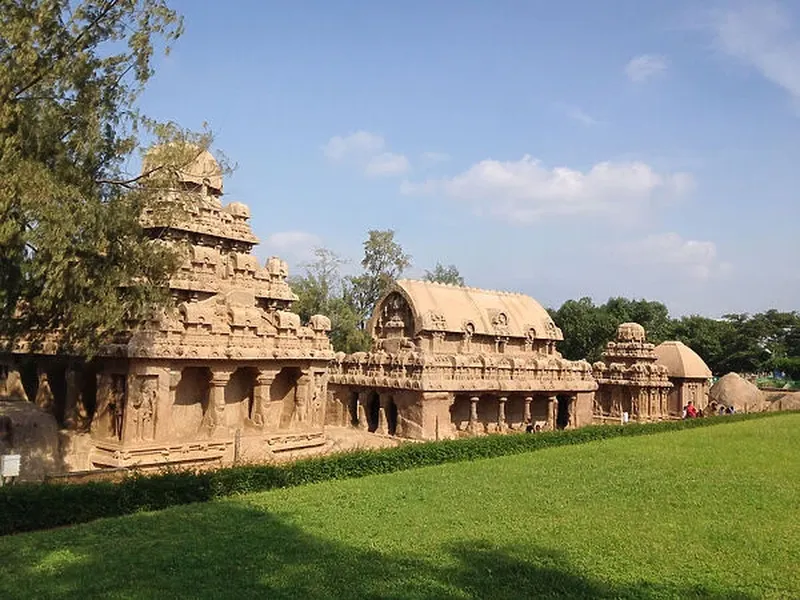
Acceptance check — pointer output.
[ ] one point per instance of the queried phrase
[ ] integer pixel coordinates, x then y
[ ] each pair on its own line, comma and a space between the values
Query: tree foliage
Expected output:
736, 342
320, 291
444, 274
384, 261
73, 255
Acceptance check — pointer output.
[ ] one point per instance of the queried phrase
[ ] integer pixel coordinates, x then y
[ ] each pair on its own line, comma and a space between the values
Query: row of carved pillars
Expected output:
305, 394
475, 426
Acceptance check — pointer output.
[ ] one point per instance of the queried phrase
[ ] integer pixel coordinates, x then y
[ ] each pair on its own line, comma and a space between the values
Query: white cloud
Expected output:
523, 191
577, 114
759, 34
292, 246
358, 145
695, 259
366, 151
387, 163
645, 66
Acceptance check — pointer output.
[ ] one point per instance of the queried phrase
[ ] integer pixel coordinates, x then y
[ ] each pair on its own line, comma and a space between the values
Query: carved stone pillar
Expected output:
573, 421
526, 417
302, 400
44, 395
473, 426
552, 412
261, 387
72, 398
361, 412
215, 415
501, 414
383, 421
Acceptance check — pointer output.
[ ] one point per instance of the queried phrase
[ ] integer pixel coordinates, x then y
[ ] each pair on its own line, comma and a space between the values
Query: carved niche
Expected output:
395, 319
499, 321
143, 409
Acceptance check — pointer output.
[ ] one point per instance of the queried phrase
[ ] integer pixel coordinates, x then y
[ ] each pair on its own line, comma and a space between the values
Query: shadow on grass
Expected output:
228, 550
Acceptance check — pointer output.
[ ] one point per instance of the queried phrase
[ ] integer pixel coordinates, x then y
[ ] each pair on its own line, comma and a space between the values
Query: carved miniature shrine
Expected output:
232, 373
631, 382
451, 361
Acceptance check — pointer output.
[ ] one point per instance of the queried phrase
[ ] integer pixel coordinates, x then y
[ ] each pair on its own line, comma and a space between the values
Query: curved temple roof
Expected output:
443, 307
682, 361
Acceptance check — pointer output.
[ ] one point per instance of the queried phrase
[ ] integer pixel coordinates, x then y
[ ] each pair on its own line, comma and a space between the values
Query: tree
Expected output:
73, 256
442, 274
652, 315
320, 291
707, 337
384, 261
318, 285
586, 327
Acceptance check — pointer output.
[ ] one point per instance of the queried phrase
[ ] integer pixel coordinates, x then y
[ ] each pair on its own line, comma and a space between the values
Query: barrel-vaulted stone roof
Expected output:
450, 308
681, 361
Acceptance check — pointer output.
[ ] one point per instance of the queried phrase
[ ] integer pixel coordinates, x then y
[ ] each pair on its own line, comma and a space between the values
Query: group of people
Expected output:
690, 411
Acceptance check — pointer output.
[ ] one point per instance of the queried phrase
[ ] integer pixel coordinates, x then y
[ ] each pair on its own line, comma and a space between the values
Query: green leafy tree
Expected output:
652, 315
320, 291
586, 329
444, 274
384, 261
73, 255
707, 337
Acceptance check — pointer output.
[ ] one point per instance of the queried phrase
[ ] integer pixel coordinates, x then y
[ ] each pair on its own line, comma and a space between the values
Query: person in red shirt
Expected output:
691, 411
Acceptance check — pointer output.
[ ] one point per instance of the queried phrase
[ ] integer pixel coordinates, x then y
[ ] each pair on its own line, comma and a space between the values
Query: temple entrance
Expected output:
57, 378
191, 401
562, 414
352, 409
459, 412
373, 409
391, 417
239, 396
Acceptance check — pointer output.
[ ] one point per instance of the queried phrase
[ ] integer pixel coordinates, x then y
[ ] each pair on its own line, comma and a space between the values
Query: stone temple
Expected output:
233, 375
453, 360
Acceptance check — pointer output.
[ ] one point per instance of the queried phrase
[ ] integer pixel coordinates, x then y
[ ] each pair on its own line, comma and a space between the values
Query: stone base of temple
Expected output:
109, 454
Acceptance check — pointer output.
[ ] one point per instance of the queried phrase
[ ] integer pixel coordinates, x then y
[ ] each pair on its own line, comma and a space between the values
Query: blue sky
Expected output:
560, 149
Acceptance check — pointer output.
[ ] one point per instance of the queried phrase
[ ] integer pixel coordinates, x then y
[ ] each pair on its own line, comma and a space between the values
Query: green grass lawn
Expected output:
704, 513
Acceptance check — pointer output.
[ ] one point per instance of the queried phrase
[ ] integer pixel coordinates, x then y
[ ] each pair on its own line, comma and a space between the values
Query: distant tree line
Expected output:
735, 342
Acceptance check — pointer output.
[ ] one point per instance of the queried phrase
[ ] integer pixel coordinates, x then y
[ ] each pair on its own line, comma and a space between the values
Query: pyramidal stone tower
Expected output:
230, 373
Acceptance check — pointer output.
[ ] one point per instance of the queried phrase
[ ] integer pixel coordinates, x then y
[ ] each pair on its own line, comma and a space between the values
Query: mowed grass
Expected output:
704, 513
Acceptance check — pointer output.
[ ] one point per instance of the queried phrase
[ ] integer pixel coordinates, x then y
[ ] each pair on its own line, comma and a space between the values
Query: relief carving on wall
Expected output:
143, 409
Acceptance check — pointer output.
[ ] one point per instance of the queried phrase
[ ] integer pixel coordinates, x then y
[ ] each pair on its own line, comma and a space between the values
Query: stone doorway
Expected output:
562, 412
391, 417
352, 409
373, 409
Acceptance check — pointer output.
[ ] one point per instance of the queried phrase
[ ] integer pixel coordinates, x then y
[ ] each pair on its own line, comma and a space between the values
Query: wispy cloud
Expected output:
578, 114
432, 158
387, 163
524, 191
293, 246
693, 258
366, 151
761, 35
645, 66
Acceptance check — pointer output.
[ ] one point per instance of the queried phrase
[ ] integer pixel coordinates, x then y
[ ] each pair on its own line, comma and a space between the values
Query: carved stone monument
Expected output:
231, 358
449, 361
